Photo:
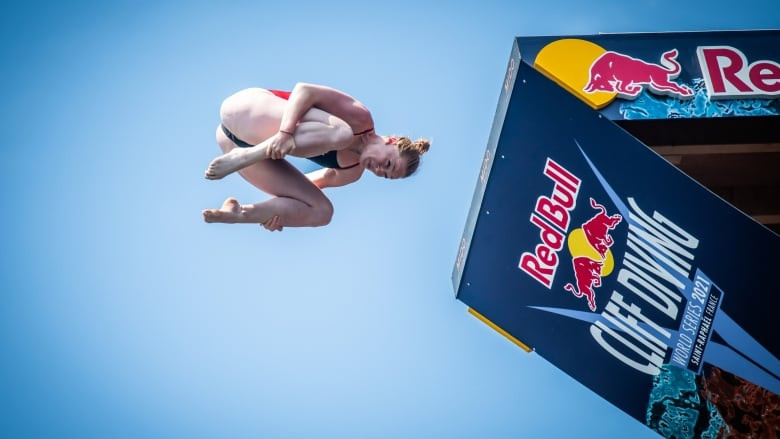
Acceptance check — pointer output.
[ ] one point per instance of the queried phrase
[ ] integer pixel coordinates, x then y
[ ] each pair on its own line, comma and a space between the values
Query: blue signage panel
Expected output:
621, 270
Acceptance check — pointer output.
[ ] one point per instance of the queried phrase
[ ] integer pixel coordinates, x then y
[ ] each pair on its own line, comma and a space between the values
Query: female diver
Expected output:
260, 127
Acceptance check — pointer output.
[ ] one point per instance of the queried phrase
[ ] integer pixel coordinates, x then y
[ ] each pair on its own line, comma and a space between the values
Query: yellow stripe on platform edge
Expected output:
499, 330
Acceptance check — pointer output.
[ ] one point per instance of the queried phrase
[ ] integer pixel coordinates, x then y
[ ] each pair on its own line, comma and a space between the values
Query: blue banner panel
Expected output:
665, 75
621, 270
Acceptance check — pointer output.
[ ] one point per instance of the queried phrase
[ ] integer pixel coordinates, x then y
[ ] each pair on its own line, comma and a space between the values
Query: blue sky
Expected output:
124, 315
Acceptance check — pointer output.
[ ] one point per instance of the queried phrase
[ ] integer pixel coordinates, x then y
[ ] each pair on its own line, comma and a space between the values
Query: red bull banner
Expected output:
616, 267
665, 75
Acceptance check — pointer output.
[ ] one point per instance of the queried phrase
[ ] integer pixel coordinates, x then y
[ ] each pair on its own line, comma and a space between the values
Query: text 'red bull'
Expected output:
543, 262
728, 74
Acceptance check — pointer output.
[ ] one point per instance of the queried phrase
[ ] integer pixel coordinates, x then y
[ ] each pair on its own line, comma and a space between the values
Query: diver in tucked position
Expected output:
260, 127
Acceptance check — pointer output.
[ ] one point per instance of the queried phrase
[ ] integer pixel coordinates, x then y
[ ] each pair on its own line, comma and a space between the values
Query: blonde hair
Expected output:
412, 152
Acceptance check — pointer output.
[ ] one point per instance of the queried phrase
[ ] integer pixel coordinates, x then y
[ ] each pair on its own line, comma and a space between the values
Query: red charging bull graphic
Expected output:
591, 257
588, 275
597, 228
628, 76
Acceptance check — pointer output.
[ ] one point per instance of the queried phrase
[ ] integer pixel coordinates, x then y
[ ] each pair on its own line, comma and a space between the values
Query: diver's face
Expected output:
384, 160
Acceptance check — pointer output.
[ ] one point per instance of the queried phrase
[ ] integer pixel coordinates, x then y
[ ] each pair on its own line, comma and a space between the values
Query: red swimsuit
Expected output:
282, 94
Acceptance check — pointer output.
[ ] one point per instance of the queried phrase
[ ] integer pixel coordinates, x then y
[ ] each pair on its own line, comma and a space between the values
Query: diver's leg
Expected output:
317, 133
297, 201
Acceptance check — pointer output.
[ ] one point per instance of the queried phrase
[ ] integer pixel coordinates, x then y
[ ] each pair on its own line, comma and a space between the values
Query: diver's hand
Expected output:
280, 145
273, 224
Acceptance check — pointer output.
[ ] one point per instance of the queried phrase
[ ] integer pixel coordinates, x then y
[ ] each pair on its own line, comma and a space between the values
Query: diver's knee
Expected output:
322, 213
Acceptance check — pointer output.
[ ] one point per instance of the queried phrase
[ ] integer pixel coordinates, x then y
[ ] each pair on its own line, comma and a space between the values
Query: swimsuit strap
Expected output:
364, 132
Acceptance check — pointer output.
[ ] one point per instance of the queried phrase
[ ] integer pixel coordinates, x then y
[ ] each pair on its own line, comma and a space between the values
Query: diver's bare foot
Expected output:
227, 163
230, 212
235, 159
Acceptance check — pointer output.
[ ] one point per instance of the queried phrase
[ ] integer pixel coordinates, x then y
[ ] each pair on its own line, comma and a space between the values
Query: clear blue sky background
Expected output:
124, 315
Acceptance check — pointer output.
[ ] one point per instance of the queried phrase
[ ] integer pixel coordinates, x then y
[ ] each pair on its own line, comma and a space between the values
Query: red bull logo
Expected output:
589, 244
628, 76
598, 76
591, 258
